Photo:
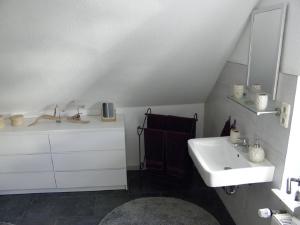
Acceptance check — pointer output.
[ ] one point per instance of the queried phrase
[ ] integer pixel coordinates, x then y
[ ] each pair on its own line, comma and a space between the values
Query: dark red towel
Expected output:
226, 128
155, 121
154, 149
166, 146
178, 162
181, 124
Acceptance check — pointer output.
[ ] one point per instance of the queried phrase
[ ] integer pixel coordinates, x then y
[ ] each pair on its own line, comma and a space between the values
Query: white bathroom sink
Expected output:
221, 164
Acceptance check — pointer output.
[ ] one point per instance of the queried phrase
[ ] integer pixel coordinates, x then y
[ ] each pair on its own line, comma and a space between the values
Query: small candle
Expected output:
17, 120
2, 123
261, 101
238, 91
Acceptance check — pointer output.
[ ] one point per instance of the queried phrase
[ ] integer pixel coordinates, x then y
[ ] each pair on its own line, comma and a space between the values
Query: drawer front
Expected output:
80, 141
89, 160
23, 181
104, 178
24, 144
25, 163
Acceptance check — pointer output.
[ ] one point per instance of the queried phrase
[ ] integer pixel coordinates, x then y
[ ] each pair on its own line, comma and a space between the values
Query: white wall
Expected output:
274, 138
134, 117
291, 46
292, 165
244, 205
134, 52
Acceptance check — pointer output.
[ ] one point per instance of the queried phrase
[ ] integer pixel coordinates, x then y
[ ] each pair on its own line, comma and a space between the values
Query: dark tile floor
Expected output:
88, 208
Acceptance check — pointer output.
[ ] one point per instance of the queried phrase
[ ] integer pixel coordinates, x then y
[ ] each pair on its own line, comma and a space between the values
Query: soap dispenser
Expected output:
256, 152
234, 133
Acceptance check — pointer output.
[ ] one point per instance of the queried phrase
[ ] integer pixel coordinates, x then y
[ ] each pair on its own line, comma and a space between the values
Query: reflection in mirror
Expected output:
265, 47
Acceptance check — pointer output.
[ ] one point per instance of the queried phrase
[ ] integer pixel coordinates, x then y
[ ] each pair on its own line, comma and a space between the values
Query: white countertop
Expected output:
51, 126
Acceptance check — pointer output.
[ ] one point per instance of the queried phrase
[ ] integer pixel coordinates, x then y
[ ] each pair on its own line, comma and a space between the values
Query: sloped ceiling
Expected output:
134, 52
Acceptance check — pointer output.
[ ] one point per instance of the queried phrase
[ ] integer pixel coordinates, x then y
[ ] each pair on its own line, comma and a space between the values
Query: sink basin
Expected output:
221, 164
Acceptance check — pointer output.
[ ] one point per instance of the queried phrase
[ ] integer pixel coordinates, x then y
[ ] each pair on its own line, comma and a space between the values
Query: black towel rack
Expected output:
140, 130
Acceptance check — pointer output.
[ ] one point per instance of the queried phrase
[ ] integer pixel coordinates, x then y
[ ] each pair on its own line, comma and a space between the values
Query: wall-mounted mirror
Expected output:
267, 29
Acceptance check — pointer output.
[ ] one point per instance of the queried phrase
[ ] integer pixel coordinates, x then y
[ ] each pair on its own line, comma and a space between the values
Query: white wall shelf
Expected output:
272, 108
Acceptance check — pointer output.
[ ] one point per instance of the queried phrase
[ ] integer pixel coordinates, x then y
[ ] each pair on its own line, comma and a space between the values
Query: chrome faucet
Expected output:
241, 142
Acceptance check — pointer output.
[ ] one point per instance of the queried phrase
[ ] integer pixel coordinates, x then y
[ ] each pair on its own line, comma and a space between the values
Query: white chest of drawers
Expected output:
54, 157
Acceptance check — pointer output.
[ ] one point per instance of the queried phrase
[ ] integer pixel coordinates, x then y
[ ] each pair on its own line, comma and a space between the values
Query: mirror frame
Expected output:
283, 7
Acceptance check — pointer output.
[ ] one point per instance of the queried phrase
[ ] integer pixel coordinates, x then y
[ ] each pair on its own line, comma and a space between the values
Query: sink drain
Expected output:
229, 190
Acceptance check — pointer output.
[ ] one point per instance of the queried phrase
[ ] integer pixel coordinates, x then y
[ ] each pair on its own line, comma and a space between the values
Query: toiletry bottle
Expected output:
267, 213
233, 126
234, 133
256, 152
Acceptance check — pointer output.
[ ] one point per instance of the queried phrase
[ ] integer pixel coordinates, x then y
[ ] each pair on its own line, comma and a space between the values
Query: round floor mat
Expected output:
158, 211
